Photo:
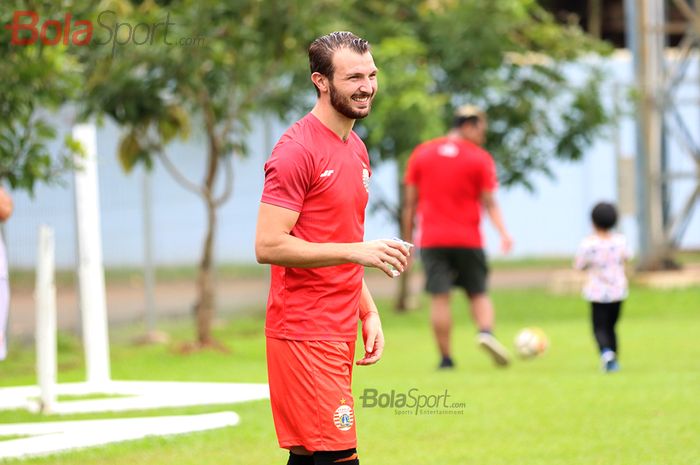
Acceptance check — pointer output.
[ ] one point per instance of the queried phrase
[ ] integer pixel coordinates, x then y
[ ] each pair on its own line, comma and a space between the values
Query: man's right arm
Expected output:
275, 245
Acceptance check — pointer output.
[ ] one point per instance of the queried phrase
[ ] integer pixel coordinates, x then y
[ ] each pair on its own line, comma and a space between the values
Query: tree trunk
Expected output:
403, 295
206, 293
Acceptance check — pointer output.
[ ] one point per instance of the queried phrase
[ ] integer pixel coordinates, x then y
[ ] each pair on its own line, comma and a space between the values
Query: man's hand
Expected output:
382, 254
373, 338
506, 243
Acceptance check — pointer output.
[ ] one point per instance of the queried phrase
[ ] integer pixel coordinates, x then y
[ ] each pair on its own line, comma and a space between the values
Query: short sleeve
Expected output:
489, 178
411, 177
288, 174
365, 155
581, 257
626, 249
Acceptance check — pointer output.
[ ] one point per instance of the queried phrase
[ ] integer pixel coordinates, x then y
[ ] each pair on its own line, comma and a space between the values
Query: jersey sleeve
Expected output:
288, 174
365, 156
411, 177
489, 178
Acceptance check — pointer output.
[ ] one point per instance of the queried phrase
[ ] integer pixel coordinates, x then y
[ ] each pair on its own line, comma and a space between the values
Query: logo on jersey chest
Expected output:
365, 176
449, 150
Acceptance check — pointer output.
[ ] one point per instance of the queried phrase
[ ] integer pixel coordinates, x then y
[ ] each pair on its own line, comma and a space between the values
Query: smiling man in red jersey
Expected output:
311, 230
448, 182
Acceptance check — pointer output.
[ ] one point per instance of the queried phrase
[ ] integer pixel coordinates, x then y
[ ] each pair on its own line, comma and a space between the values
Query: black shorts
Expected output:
454, 266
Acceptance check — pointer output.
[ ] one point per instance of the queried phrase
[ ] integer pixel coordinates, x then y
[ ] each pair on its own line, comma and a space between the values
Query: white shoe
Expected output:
491, 345
608, 362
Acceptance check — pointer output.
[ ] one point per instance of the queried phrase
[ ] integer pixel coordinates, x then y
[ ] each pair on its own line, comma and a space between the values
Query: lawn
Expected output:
558, 409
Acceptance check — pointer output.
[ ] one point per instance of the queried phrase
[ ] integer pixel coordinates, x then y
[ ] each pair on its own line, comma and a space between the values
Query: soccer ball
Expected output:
531, 342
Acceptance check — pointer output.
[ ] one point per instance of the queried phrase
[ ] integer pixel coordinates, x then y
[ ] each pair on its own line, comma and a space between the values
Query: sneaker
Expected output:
608, 361
491, 345
612, 367
446, 363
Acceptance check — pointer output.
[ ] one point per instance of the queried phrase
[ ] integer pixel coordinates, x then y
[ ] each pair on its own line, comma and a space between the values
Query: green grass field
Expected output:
558, 409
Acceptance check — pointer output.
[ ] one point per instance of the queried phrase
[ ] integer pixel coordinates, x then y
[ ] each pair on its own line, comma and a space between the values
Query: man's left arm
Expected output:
488, 184
372, 334
488, 199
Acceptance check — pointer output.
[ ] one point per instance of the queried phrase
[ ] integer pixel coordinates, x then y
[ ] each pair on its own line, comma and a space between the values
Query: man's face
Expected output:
354, 83
476, 132
481, 129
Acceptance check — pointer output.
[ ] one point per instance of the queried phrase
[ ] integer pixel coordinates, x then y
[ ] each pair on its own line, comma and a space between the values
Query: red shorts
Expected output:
310, 393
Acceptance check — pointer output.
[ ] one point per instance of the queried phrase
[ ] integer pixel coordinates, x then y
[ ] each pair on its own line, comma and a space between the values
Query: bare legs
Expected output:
441, 318
482, 313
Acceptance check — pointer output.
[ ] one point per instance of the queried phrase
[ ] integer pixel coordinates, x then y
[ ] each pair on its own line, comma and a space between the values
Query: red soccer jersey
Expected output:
313, 172
450, 176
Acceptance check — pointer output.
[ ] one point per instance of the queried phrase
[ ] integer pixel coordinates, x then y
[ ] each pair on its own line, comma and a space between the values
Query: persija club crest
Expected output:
343, 417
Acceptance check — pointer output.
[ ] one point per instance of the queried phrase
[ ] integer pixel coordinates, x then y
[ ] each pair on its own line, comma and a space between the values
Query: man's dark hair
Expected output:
322, 49
604, 216
458, 121
467, 114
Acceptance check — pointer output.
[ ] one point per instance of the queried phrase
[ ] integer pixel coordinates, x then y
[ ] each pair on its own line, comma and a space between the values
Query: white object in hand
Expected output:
407, 244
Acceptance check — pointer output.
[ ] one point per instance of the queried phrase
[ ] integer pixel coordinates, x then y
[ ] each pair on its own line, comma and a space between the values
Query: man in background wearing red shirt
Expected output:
448, 181
311, 230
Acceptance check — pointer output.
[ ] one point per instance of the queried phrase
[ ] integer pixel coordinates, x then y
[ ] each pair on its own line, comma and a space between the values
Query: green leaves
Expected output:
529, 72
509, 56
130, 151
249, 57
24, 158
407, 109
544, 116
175, 122
36, 79
250, 60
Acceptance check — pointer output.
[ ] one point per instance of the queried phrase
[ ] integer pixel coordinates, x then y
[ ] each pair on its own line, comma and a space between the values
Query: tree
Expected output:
406, 112
509, 57
36, 80
512, 59
237, 59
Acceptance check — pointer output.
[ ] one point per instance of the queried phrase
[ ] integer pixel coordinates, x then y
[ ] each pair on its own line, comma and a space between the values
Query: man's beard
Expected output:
343, 105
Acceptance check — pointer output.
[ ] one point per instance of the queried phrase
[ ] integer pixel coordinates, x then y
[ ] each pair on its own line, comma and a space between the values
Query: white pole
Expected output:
93, 303
148, 268
45, 299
